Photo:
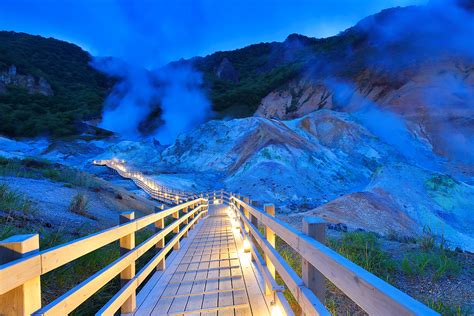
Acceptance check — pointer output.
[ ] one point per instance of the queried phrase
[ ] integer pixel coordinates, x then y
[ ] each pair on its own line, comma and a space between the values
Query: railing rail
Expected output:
372, 294
16, 276
156, 190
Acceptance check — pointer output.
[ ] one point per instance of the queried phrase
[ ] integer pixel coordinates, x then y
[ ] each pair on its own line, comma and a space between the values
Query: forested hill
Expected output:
52, 89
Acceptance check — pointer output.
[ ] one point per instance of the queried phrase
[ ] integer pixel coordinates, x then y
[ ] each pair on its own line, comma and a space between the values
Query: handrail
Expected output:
19, 272
158, 191
309, 303
370, 292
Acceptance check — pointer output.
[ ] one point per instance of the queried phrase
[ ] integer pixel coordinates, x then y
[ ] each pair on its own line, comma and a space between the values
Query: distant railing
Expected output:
156, 190
23, 263
371, 293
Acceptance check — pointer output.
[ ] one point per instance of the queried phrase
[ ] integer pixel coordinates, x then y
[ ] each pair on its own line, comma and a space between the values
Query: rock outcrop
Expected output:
227, 72
434, 100
33, 85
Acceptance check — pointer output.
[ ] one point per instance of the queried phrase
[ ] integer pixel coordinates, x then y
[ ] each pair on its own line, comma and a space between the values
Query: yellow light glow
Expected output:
276, 310
246, 245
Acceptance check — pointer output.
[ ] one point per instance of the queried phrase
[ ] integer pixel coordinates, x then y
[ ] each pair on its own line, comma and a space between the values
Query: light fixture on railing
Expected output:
276, 310
237, 226
246, 245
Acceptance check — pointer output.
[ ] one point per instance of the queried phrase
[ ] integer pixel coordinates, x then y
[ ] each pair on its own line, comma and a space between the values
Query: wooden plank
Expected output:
225, 286
60, 255
211, 310
147, 304
371, 293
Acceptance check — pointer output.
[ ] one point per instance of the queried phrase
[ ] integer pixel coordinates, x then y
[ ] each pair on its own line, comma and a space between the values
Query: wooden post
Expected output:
193, 206
253, 220
270, 236
176, 230
185, 210
247, 215
26, 298
314, 227
126, 244
159, 225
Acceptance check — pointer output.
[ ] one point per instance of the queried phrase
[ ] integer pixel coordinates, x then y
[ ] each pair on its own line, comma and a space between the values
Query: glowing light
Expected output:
276, 310
246, 245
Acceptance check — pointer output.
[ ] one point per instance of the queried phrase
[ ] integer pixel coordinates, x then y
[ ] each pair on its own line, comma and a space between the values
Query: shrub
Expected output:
11, 201
79, 204
446, 309
427, 239
436, 262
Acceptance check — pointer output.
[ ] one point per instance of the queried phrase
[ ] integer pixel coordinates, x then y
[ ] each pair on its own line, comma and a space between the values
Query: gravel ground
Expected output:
51, 200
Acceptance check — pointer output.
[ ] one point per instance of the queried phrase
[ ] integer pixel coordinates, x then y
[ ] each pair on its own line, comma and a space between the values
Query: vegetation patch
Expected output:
43, 169
431, 259
446, 309
12, 202
79, 90
435, 263
364, 249
441, 183
79, 205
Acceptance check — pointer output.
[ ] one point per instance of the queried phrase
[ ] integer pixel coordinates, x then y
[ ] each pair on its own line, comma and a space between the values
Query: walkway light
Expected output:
246, 245
276, 310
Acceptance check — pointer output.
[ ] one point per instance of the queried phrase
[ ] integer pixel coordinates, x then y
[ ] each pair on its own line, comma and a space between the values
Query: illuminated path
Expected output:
210, 275
210, 253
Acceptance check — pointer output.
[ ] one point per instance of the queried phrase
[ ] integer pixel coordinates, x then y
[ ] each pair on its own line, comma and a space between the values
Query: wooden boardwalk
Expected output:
210, 275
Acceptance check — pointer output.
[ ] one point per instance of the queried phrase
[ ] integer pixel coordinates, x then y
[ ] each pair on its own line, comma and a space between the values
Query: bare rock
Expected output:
33, 85
227, 72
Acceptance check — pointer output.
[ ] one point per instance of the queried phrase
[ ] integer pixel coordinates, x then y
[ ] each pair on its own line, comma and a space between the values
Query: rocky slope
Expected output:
435, 103
423, 74
326, 156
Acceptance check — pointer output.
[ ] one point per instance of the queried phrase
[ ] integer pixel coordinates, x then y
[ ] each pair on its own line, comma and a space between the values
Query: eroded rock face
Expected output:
334, 162
435, 99
300, 98
33, 85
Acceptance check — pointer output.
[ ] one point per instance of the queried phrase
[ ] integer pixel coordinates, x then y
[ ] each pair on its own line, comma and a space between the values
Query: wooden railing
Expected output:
157, 191
20, 277
372, 294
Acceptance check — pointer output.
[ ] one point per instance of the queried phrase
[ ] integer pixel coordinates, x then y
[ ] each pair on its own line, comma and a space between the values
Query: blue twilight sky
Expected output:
151, 33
